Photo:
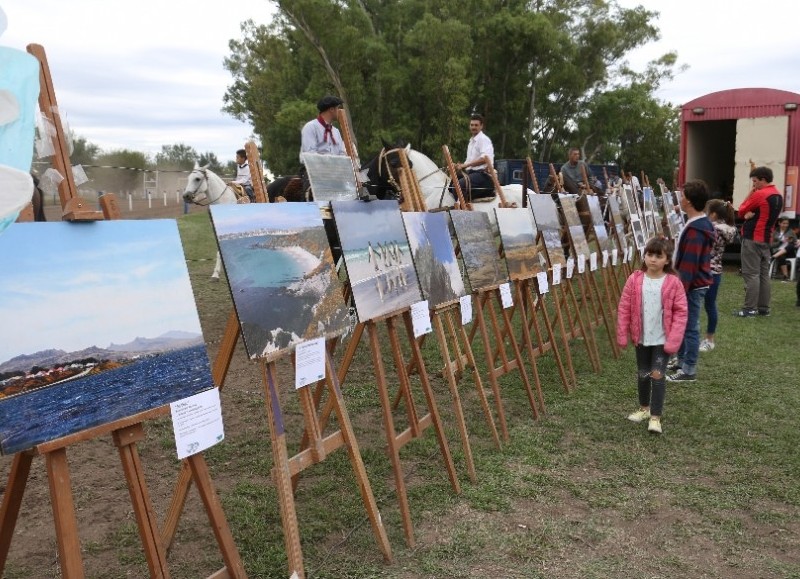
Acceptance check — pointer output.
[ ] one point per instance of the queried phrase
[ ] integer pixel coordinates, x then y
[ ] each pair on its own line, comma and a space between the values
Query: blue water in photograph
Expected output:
51, 412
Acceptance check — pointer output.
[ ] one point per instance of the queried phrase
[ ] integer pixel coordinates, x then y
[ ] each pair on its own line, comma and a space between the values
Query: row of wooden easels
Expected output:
577, 307
126, 433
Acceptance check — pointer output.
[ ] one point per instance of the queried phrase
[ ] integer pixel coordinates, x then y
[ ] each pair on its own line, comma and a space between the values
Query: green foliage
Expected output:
178, 156
539, 71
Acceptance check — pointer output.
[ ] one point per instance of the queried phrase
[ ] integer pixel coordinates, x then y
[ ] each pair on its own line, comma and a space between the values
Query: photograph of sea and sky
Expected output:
98, 323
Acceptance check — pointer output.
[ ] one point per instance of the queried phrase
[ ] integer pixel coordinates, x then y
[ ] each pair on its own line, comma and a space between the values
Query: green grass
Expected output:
580, 493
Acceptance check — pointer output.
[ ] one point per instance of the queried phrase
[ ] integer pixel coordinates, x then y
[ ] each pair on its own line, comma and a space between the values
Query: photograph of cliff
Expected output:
482, 262
281, 275
518, 233
434, 257
574, 226
545, 214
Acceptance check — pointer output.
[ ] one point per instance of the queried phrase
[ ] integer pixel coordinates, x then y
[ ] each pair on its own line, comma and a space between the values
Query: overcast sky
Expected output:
143, 74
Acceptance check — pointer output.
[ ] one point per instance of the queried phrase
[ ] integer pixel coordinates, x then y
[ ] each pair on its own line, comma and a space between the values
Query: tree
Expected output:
125, 173
210, 159
416, 69
83, 152
178, 156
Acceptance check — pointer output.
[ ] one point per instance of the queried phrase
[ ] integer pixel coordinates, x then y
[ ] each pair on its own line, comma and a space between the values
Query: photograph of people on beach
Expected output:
518, 234
545, 214
98, 324
377, 257
482, 262
281, 275
434, 257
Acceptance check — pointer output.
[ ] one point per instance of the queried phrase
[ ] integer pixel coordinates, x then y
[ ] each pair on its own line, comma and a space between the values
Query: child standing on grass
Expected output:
653, 311
720, 214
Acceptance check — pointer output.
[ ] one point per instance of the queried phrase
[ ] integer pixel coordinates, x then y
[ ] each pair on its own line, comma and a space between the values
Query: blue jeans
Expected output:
711, 304
690, 347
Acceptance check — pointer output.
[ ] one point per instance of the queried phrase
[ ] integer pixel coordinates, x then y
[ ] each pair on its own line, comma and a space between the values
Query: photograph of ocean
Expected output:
99, 324
377, 257
281, 275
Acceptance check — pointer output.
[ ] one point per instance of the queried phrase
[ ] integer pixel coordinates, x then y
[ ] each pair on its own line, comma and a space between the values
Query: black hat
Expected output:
329, 101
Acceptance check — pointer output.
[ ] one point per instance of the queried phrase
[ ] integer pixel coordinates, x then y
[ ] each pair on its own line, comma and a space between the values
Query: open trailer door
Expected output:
762, 141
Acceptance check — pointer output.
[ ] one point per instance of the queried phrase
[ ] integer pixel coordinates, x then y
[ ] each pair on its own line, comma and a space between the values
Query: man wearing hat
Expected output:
320, 136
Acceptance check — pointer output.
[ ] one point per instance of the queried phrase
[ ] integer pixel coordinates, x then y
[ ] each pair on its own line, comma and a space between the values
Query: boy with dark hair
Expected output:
243, 174
692, 262
760, 210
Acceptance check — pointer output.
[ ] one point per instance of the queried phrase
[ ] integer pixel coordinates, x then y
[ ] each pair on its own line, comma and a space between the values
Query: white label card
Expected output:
466, 309
581, 263
541, 277
505, 295
421, 318
605, 258
614, 256
556, 273
570, 267
309, 362
197, 422
593, 261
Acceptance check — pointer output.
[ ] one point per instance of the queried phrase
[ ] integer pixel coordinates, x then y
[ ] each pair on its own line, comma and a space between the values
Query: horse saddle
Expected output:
241, 194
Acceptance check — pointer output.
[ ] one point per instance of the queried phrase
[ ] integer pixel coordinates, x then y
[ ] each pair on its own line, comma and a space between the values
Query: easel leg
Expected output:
69, 546
487, 347
125, 439
391, 436
280, 471
219, 524
353, 452
451, 382
182, 486
559, 290
12, 501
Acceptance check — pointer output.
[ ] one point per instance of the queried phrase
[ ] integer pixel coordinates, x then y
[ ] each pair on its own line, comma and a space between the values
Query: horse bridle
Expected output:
205, 180
383, 157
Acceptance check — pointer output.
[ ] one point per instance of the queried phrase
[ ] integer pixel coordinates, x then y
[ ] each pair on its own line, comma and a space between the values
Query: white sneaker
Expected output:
706, 346
639, 415
654, 425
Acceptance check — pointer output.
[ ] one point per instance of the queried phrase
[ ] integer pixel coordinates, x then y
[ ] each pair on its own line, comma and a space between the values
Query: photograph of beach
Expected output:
434, 257
281, 275
482, 262
377, 257
99, 323
518, 234
545, 214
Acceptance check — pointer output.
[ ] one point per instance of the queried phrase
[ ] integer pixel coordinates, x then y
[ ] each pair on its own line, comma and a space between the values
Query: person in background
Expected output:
320, 136
477, 183
783, 247
652, 311
721, 215
243, 174
572, 170
760, 210
692, 262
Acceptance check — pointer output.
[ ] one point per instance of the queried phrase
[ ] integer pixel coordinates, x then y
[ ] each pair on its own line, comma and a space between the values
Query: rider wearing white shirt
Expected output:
480, 156
243, 174
320, 136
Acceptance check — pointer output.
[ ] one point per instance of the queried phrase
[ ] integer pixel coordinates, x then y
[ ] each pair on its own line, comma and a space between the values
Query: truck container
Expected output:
723, 133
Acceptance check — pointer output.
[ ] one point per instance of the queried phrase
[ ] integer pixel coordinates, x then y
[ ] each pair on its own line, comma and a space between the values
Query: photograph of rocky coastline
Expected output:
482, 262
434, 257
281, 275
99, 323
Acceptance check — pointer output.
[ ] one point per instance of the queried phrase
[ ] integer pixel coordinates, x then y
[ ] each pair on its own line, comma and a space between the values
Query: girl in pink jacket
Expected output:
652, 310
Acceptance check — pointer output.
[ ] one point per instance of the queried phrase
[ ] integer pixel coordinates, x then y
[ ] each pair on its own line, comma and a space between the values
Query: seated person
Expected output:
783, 246
477, 183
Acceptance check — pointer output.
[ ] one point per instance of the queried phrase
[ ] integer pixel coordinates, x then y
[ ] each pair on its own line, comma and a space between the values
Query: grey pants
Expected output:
755, 271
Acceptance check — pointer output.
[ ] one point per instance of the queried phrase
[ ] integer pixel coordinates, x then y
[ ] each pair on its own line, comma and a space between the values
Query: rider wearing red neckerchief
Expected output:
320, 136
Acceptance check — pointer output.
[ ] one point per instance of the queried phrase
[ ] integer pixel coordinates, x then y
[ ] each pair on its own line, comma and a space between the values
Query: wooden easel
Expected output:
596, 306
484, 300
126, 432
256, 171
416, 424
319, 447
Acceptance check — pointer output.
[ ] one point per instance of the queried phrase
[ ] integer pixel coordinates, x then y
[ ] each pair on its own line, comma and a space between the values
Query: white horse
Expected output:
205, 188
434, 183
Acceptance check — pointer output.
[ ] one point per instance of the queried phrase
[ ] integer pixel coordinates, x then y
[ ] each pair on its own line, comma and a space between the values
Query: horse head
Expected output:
383, 172
203, 187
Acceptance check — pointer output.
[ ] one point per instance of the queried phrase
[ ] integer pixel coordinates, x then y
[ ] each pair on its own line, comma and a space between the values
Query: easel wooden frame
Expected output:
126, 432
592, 294
568, 311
